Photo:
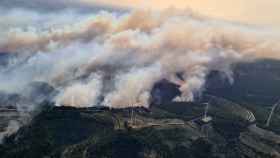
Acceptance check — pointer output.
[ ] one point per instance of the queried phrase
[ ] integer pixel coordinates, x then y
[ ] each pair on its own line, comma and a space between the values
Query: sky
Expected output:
259, 12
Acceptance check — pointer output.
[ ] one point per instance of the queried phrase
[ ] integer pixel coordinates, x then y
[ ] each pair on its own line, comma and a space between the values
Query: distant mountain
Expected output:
5, 58
257, 82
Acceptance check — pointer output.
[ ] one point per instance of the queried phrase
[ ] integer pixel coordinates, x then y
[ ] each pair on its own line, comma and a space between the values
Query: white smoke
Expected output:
81, 94
9, 130
137, 83
121, 56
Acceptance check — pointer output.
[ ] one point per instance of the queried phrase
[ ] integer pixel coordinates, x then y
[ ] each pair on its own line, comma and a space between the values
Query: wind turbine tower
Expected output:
72, 101
132, 116
206, 118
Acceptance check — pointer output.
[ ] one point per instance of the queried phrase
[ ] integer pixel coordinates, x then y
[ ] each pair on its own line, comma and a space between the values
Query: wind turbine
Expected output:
72, 100
132, 116
271, 113
206, 118
132, 112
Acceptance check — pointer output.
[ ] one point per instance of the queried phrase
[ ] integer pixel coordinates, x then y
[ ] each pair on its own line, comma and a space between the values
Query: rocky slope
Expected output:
168, 132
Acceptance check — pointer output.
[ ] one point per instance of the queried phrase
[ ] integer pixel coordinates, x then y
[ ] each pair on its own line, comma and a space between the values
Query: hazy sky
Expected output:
261, 12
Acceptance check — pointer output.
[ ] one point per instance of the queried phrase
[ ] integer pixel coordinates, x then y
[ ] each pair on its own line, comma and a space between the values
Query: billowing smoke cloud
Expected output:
115, 59
137, 83
81, 94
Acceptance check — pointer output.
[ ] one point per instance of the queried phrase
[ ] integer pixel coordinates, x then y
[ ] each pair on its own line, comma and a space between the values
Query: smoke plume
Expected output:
10, 129
114, 58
